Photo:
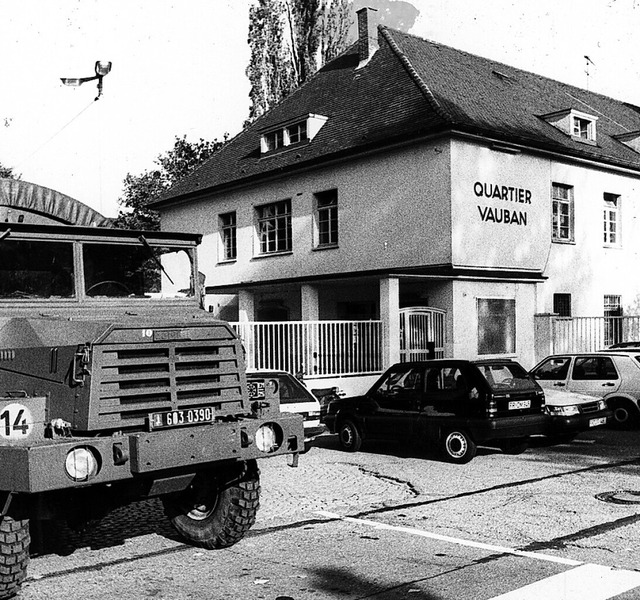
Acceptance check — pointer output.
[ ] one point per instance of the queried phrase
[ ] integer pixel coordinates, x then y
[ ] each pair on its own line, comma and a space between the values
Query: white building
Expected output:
405, 174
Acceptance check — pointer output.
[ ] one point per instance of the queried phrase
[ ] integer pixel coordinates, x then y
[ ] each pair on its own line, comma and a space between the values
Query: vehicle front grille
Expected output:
130, 381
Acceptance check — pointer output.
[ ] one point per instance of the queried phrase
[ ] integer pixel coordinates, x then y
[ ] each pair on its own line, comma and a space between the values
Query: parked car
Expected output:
572, 413
294, 397
613, 376
451, 404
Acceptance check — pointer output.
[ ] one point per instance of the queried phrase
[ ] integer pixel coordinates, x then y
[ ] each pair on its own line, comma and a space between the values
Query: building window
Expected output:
611, 219
612, 320
274, 140
496, 326
562, 213
326, 218
562, 305
274, 227
228, 236
583, 128
297, 133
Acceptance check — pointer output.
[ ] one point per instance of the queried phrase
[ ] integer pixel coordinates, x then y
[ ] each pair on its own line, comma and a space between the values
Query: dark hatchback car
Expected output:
450, 404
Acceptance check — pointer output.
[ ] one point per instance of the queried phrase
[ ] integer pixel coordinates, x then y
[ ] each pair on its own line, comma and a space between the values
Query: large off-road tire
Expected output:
14, 555
349, 436
217, 510
625, 413
457, 446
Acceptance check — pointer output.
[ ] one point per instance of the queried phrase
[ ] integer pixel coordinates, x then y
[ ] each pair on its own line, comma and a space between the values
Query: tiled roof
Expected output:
411, 88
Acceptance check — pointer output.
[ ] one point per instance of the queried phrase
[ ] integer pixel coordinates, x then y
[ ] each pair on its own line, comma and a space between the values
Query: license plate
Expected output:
516, 404
596, 422
179, 418
256, 389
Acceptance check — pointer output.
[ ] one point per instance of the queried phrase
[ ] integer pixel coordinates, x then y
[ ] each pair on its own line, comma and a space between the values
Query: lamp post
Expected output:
102, 68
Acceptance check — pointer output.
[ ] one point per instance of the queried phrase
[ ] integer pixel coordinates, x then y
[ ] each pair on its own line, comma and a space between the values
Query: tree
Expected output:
7, 173
290, 40
173, 165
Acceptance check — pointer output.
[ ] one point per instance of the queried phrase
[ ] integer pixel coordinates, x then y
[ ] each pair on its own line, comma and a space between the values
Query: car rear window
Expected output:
506, 376
292, 392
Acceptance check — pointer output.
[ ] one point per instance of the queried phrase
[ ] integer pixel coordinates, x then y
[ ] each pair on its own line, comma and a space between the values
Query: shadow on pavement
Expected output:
134, 520
341, 582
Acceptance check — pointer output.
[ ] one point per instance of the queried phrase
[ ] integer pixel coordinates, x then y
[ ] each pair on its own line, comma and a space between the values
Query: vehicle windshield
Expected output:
33, 269
506, 376
136, 271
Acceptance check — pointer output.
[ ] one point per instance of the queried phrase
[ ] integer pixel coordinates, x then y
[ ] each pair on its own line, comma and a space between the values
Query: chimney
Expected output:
367, 35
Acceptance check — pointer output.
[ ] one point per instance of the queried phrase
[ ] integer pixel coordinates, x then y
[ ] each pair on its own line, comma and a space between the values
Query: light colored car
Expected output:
294, 398
613, 376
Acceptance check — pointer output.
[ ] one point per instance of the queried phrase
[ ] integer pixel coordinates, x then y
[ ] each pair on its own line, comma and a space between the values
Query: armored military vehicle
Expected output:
116, 386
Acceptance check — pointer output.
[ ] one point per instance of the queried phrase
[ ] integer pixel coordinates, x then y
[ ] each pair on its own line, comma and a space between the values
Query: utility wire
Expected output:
53, 136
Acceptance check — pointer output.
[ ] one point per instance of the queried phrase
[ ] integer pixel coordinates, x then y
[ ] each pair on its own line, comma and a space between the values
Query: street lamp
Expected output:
102, 68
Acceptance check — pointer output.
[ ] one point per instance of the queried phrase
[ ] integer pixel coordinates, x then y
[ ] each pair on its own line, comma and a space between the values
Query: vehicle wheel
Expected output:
218, 508
513, 446
458, 447
350, 436
625, 413
14, 555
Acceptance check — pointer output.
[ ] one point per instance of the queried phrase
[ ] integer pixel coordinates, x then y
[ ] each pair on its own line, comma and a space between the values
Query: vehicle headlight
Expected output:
269, 437
602, 405
81, 464
563, 411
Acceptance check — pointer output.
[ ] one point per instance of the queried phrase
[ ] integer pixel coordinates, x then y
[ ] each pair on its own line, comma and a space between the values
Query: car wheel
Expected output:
513, 446
458, 447
216, 512
625, 413
350, 436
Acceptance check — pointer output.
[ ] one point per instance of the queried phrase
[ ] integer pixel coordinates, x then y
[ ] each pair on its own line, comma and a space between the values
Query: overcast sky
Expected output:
179, 68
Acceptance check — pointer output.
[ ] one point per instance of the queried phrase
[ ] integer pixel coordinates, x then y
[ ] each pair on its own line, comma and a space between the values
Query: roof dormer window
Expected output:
583, 128
296, 131
580, 126
274, 140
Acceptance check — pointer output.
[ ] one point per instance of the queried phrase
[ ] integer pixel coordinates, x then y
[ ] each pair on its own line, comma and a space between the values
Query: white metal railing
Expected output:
587, 334
313, 348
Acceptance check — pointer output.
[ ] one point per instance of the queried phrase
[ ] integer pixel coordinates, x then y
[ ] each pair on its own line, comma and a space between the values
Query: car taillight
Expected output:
492, 407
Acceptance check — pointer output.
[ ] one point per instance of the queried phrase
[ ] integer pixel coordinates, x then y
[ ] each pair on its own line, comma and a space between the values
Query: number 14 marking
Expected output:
15, 421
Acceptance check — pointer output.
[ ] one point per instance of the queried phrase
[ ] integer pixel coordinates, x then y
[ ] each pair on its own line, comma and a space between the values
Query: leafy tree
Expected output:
173, 165
7, 172
290, 40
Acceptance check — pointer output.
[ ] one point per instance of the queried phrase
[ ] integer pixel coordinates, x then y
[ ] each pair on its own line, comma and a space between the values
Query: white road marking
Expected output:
584, 582
587, 582
452, 540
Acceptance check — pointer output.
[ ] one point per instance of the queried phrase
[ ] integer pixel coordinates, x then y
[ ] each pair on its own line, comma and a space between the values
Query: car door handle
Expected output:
559, 384
608, 384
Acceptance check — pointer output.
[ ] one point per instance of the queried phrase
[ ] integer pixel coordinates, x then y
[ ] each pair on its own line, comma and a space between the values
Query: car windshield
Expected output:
506, 376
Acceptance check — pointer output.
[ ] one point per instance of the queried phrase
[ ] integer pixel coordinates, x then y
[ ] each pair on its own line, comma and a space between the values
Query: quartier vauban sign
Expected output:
507, 216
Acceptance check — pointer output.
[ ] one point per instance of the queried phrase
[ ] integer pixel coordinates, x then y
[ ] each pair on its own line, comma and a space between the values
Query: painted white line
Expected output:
452, 540
587, 582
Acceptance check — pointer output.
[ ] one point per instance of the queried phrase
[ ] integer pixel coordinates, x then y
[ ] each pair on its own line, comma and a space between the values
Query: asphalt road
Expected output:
389, 522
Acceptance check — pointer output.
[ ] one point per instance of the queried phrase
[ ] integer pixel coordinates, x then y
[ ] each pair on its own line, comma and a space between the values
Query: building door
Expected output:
421, 333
